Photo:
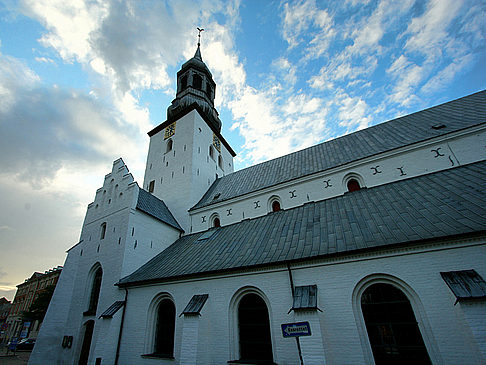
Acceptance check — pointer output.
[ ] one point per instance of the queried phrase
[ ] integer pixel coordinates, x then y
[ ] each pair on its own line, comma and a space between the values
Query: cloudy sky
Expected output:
82, 82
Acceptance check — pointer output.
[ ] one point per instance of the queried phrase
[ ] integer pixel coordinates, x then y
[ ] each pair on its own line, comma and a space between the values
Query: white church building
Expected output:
366, 249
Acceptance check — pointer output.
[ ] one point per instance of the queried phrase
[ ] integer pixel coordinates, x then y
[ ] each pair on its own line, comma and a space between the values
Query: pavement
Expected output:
20, 357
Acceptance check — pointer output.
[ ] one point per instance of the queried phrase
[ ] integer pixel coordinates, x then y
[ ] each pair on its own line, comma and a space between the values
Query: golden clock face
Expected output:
216, 142
170, 130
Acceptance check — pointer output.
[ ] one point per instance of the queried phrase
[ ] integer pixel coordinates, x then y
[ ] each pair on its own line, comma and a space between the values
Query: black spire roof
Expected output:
195, 85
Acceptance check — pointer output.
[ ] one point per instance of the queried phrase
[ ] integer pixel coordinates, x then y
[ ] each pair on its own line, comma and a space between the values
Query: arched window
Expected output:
276, 206
254, 329
220, 162
211, 151
183, 82
168, 147
85, 349
209, 90
353, 185
392, 328
95, 292
164, 331
197, 81
103, 230
216, 222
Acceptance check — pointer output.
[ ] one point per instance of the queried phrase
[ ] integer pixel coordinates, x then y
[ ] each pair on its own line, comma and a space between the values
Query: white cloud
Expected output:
43, 129
428, 33
474, 24
370, 31
45, 60
342, 68
353, 113
447, 74
14, 75
304, 18
69, 24
408, 78
286, 70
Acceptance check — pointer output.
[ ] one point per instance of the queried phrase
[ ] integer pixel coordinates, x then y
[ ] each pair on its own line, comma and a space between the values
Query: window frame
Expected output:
152, 325
234, 325
353, 176
103, 231
91, 306
184, 82
197, 78
220, 162
211, 151
212, 221
169, 145
271, 201
151, 186
417, 307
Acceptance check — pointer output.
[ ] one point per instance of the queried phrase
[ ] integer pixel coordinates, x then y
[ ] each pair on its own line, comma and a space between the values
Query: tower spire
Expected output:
198, 50
199, 36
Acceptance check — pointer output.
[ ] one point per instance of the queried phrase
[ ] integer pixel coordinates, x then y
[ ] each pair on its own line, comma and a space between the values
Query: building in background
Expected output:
371, 246
30, 304
5, 306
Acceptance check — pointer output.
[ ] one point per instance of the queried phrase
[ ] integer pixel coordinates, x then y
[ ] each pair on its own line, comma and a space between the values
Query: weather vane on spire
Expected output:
199, 36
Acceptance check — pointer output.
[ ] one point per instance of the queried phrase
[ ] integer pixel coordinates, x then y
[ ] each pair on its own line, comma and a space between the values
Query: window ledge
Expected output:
158, 356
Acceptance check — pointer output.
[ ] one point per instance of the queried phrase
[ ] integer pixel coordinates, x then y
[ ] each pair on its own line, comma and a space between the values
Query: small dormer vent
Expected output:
438, 126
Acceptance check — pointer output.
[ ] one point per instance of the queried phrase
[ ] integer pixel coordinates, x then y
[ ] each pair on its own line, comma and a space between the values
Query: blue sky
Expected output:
81, 83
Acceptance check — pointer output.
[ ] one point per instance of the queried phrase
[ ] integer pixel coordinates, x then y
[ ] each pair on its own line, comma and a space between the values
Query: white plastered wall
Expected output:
183, 175
117, 255
448, 342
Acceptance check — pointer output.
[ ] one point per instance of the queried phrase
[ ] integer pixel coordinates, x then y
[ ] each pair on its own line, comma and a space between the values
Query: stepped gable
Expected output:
439, 205
454, 115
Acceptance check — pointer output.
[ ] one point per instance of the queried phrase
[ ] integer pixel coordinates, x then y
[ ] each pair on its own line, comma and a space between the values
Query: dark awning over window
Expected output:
305, 297
112, 309
195, 304
465, 284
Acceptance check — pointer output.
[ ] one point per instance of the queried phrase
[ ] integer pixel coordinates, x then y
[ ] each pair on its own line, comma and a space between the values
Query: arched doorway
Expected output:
393, 332
88, 335
254, 330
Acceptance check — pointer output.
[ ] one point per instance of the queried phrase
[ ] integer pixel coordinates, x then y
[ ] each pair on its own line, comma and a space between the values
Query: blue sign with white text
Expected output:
13, 344
296, 329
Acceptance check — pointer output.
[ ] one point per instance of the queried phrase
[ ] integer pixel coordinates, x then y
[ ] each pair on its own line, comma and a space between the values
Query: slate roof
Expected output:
465, 284
446, 203
454, 115
195, 304
305, 297
112, 309
155, 207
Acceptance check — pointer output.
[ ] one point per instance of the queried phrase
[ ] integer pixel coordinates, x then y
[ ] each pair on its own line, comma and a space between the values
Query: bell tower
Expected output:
187, 152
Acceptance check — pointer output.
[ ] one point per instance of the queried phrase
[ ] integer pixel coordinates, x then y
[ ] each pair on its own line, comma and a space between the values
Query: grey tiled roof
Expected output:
305, 297
447, 203
195, 304
155, 207
112, 309
465, 284
455, 115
